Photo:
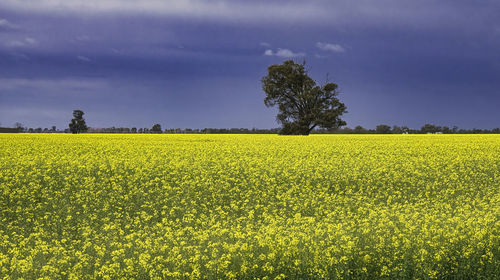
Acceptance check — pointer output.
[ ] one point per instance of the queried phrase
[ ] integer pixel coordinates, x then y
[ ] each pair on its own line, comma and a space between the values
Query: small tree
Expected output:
302, 104
77, 124
156, 128
19, 126
359, 129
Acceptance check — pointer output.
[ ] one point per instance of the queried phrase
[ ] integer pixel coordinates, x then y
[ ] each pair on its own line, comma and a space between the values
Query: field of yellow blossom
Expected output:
249, 206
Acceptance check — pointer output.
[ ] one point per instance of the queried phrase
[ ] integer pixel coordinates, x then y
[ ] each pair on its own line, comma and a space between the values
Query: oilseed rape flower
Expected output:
249, 206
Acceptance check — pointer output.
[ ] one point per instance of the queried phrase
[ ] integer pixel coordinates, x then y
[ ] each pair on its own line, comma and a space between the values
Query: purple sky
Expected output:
192, 63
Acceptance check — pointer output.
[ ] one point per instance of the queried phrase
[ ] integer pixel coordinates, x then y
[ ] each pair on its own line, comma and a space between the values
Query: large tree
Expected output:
77, 124
302, 104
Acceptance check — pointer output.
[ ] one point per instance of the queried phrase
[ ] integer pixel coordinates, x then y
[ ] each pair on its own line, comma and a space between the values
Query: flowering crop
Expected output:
249, 206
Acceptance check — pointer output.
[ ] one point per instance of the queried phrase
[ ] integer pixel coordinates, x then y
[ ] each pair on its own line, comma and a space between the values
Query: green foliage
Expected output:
359, 130
77, 124
383, 129
156, 128
302, 104
430, 128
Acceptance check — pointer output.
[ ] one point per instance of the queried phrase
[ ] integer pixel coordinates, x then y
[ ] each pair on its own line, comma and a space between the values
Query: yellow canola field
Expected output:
249, 206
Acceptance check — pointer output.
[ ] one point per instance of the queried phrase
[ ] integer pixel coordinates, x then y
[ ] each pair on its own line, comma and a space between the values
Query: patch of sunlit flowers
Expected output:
249, 207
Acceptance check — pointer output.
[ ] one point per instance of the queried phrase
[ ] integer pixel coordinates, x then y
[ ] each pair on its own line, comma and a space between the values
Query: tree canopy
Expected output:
77, 124
383, 129
156, 128
302, 104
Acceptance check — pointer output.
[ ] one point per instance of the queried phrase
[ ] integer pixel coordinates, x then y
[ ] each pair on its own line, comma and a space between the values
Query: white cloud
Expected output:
215, 9
5, 24
28, 41
285, 53
269, 52
83, 58
330, 47
423, 13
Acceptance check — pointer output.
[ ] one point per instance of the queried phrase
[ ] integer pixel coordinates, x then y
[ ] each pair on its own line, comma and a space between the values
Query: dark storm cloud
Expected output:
193, 63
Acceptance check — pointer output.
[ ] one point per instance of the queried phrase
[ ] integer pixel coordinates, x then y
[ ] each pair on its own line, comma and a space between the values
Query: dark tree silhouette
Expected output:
302, 104
383, 129
156, 128
430, 128
359, 130
19, 126
77, 124
397, 129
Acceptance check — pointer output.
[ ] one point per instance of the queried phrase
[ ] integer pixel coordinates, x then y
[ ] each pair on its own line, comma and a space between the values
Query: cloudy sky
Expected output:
198, 63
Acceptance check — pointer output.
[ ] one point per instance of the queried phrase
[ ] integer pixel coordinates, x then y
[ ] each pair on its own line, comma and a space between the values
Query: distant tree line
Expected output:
185, 130
425, 129
78, 125
379, 129
18, 127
